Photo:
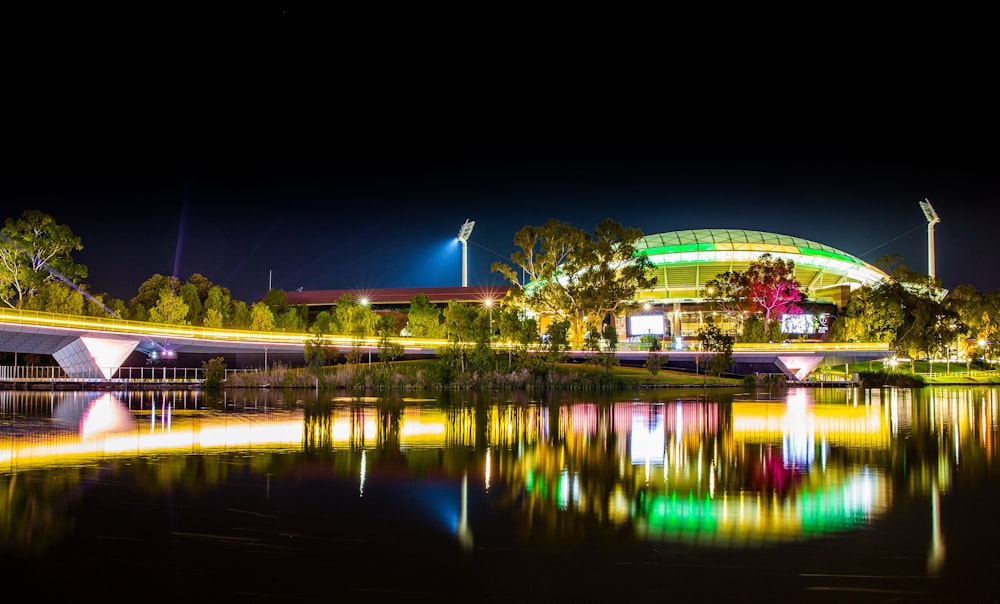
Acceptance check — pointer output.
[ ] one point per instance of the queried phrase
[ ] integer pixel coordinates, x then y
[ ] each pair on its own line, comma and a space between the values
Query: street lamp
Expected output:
463, 236
364, 301
488, 303
932, 219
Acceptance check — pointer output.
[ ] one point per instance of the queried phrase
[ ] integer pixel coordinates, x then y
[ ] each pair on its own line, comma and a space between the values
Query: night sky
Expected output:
388, 218
257, 163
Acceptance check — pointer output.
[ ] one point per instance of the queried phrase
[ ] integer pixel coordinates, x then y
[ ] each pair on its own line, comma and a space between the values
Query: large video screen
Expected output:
797, 324
640, 325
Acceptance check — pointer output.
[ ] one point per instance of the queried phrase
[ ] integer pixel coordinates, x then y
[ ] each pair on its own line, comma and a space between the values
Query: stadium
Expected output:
683, 261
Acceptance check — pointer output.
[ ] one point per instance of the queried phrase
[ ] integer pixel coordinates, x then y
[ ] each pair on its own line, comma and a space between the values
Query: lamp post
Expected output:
363, 301
463, 236
932, 219
488, 303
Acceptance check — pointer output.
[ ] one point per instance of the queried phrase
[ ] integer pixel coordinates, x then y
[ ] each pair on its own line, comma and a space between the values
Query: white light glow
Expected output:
640, 325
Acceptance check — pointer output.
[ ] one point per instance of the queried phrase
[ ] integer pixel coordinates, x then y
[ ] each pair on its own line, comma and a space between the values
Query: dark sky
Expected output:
261, 159
367, 218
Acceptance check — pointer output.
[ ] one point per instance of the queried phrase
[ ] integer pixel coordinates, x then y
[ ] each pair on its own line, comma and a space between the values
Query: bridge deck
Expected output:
77, 338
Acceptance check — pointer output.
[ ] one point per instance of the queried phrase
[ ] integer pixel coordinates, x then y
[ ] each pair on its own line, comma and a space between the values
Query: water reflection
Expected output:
93, 414
694, 468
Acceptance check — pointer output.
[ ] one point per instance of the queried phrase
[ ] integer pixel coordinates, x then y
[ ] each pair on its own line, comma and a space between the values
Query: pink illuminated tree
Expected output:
772, 288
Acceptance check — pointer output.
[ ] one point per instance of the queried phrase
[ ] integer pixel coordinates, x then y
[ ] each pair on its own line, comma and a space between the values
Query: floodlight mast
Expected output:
463, 236
932, 219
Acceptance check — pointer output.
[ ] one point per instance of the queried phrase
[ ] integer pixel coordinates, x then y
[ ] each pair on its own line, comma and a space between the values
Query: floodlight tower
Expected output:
463, 236
932, 219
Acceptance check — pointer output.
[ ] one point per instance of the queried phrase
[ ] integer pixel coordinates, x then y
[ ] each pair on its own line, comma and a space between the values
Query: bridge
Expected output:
96, 347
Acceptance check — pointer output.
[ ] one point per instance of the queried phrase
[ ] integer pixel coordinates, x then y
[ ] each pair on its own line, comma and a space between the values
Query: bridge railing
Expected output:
55, 373
31, 373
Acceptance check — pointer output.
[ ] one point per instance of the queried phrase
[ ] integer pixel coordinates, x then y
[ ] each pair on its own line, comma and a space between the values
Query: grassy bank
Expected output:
432, 374
922, 372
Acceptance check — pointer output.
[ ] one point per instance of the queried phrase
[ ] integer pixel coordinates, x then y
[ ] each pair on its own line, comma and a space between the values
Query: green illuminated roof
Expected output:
709, 240
686, 260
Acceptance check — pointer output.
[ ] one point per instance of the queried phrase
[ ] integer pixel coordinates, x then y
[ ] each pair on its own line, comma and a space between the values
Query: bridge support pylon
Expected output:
90, 358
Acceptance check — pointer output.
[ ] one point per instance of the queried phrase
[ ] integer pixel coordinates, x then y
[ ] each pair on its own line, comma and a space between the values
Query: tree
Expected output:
356, 320
567, 272
388, 350
171, 309
261, 317
317, 353
241, 315
873, 313
323, 323
148, 295
291, 319
772, 288
58, 298
213, 319
202, 286
988, 335
974, 312
101, 305
459, 322
35, 250
514, 326
607, 357
905, 313
423, 318
459, 327
754, 330
276, 300
720, 344
654, 360
215, 372
889, 262
353, 318
196, 310
557, 339
218, 307
768, 288
517, 330
728, 294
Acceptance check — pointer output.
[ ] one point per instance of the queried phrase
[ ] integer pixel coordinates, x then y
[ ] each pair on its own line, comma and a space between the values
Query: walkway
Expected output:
92, 348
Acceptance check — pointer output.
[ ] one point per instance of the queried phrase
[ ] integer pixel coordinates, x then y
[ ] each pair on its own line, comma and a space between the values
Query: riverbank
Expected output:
407, 375
420, 374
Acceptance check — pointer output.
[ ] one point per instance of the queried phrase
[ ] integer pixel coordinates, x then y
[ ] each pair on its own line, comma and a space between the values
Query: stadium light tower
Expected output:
463, 236
932, 219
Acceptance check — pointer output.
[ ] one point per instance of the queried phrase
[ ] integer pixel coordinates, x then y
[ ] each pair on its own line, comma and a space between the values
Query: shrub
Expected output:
215, 372
878, 379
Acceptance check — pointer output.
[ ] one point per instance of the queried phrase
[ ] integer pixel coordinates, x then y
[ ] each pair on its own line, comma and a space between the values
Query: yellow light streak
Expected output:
63, 449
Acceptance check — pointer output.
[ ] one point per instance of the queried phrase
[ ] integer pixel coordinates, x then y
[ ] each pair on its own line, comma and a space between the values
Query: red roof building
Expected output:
398, 297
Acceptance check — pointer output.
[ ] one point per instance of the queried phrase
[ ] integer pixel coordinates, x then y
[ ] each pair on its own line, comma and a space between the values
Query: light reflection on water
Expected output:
698, 469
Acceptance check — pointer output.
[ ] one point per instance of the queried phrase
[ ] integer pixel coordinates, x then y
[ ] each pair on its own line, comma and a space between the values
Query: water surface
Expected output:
302, 496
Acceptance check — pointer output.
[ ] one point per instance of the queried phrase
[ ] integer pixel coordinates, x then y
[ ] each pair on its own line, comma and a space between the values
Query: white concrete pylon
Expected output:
88, 357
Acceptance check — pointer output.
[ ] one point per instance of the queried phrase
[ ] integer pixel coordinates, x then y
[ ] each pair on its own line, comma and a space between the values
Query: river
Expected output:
825, 494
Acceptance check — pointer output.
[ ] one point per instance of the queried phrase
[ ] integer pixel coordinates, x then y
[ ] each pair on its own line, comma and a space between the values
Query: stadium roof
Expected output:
717, 240
686, 260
